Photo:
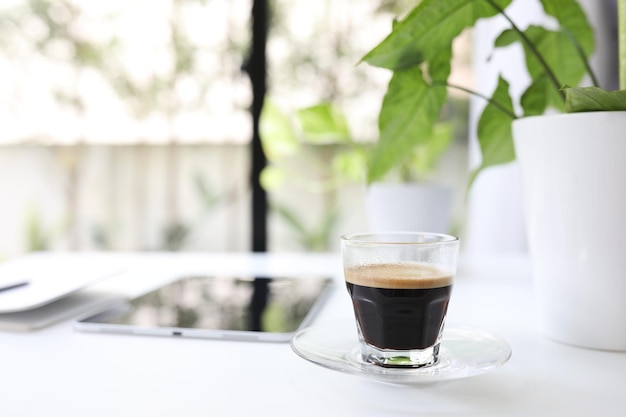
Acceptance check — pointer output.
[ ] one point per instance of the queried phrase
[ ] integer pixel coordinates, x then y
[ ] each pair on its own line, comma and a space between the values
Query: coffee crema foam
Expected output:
402, 276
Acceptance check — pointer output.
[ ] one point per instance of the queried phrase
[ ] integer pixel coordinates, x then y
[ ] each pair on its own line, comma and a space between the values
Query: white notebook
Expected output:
39, 289
49, 276
72, 306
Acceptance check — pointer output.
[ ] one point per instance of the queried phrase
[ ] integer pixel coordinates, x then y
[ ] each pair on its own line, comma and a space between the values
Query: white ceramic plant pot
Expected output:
573, 169
409, 207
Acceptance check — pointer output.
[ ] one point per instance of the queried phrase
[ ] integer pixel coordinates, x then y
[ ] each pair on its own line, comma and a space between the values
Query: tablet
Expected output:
267, 309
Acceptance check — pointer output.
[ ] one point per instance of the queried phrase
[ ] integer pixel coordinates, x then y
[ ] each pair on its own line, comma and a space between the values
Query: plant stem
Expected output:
621, 25
533, 49
477, 94
583, 57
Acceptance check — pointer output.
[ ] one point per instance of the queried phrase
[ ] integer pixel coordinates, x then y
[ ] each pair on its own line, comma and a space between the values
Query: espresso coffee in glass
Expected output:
400, 285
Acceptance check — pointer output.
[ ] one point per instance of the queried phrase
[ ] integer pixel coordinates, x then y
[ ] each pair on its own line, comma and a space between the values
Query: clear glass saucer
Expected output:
464, 352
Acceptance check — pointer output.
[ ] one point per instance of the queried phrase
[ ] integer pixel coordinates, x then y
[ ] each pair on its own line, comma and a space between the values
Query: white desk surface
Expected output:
61, 372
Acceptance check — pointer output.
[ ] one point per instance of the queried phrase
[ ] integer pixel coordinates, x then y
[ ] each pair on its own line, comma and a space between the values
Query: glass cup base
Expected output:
390, 358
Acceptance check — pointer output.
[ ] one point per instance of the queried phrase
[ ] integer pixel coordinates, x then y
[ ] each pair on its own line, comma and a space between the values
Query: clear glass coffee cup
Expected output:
400, 284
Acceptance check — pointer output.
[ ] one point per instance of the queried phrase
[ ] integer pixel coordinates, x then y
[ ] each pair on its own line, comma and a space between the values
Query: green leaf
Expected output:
572, 18
495, 132
559, 53
409, 111
351, 164
323, 123
581, 99
272, 177
428, 28
440, 65
277, 135
427, 154
534, 100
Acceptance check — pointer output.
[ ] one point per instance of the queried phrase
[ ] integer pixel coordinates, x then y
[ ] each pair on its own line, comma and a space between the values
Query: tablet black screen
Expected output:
259, 304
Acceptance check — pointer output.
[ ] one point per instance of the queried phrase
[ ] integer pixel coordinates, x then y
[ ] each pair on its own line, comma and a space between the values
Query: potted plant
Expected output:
573, 163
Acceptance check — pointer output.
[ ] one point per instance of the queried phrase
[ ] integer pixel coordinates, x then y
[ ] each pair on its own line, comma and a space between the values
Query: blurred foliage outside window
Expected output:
75, 75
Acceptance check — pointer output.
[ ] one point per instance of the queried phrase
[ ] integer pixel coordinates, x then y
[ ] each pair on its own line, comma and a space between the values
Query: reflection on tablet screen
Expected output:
275, 305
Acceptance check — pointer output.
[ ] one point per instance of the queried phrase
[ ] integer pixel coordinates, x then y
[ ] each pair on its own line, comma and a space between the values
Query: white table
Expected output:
60, 372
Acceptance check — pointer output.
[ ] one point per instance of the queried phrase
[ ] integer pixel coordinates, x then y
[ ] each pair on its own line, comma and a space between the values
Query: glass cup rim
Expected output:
374, 238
